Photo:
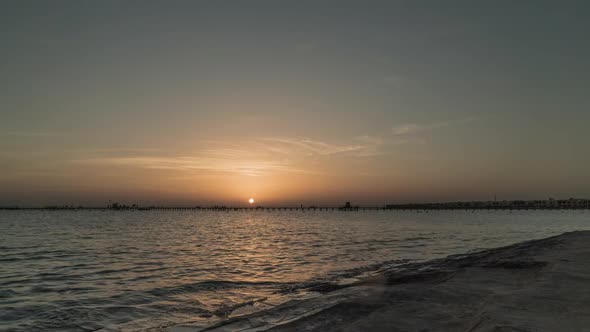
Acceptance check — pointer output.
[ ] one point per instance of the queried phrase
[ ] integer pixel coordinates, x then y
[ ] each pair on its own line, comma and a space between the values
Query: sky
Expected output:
293, 102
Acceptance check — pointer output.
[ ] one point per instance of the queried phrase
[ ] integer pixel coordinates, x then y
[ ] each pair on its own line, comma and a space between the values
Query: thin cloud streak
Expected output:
292, 147
309, 146
414, 128
255, 158
184, 163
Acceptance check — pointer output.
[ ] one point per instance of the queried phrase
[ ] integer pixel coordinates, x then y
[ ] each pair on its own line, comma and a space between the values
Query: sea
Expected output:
156, 270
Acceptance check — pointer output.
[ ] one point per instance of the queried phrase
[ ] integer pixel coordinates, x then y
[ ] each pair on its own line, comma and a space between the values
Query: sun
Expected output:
251, 201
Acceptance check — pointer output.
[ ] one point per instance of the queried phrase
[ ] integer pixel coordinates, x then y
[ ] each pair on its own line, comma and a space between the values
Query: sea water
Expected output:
110, 270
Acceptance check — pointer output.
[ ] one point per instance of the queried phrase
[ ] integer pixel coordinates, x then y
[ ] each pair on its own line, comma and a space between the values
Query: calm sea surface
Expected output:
138, 270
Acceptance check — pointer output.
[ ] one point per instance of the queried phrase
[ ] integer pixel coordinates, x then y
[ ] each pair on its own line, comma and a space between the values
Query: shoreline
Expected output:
411, 207
537, 285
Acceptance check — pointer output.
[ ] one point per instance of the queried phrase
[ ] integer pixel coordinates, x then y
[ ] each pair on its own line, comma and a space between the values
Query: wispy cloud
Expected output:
254, 158
414, 128
308, 146
186, 163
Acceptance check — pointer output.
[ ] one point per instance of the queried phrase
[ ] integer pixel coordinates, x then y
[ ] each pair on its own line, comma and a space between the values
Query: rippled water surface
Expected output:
137, 270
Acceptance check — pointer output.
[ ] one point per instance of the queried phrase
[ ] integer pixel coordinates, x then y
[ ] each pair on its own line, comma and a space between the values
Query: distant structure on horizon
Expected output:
548, 204
572, 203
348, 207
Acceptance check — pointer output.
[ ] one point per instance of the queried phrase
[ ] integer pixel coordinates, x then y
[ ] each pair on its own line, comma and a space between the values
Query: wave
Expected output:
209, 285
122, 308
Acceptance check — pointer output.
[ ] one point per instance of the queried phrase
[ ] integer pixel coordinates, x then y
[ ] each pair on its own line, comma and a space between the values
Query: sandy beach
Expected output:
538, 285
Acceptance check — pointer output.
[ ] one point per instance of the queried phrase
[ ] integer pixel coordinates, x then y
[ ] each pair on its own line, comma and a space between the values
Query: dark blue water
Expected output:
139, 270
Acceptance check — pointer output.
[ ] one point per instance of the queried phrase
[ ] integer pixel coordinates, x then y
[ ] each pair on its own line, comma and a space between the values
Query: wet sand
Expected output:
539, 285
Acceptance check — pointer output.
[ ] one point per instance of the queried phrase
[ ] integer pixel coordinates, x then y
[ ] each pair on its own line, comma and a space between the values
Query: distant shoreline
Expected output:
327, 209
294, 209
549, 204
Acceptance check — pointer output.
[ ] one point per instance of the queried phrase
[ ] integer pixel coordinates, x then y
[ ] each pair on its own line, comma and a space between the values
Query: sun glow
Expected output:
251, 201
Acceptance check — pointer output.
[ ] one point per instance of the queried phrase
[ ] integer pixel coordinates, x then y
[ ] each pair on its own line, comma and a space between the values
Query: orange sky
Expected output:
306, 103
